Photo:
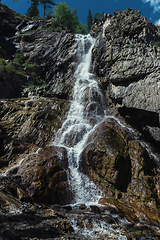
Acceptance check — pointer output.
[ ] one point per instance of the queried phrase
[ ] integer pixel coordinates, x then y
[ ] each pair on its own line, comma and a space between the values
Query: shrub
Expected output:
66, 19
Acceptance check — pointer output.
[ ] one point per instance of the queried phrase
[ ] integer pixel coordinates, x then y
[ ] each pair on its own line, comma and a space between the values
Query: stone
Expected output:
95, 209
126, 61
41, 65
106, 156
143, 94
32, 120
44, 176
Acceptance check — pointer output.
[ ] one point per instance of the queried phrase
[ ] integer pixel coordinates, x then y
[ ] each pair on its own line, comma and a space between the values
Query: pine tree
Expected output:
89, 20
33, 9
97, 16
66, 19
46, 4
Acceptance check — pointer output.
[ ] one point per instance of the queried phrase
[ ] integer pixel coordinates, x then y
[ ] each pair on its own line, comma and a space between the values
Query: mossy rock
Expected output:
107, 157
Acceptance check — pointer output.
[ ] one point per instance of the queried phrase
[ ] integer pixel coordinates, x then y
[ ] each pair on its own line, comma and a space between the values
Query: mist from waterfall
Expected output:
86, 111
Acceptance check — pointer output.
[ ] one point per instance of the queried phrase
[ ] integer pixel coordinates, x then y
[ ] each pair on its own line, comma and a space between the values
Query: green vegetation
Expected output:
6, 68
157, 44
89, 20
112, 187
20, 66
97, 16
19, 58
46, 5
32, 85
66, 19
122, 20
2, 52
33, 9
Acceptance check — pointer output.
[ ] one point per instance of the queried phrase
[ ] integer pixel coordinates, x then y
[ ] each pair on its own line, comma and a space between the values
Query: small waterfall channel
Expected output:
86, 111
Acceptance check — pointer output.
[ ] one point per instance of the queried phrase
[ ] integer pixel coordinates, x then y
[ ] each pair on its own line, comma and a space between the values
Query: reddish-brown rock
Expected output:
44, 175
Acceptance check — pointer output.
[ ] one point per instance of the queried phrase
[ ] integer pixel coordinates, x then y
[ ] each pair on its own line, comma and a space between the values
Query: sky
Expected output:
149, 8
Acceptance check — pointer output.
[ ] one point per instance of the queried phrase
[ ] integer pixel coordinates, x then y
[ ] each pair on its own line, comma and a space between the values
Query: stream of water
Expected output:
86, 111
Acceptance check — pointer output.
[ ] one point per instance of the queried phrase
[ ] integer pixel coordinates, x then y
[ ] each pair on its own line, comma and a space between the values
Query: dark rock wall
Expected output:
126, 63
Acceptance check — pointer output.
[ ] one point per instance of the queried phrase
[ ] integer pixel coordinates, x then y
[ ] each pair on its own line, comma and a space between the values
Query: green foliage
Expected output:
33, 9
46, 5
27, 65
112, 187
2, 52
89, 20
97, 16
49, 14
10, 69
66, 19
157, 44
19, 58
6, 67
121, 21
2, 64
32, 85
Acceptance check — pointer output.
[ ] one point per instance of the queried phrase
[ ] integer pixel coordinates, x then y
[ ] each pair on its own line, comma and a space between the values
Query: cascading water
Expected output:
86, 111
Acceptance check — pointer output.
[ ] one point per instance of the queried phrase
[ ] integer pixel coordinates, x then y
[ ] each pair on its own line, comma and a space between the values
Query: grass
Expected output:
19, 68
157, 44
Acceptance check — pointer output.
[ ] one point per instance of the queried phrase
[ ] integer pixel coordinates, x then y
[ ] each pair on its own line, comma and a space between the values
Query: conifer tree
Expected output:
97, 16
46, 4
66, 19
33, 9
89, 20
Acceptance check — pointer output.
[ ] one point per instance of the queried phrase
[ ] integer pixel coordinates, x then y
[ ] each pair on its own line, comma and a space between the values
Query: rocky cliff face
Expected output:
126, 60
36, 82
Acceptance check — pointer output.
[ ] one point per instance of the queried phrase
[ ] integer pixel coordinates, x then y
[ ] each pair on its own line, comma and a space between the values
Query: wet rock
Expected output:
126, 63
7, 200
68, 208
31, 120
44, 176
83, 206
132, 210
128, 213
115, 161
95, 209
93, 111
105, 156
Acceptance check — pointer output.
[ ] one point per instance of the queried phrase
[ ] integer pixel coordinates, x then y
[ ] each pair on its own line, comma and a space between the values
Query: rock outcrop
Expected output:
44, 176
126, 60
36, 82
115, 160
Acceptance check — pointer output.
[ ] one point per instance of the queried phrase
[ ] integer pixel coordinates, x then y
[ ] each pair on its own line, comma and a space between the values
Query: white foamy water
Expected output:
86, 111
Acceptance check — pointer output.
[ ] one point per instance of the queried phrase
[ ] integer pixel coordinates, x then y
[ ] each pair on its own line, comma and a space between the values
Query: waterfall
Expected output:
86, 111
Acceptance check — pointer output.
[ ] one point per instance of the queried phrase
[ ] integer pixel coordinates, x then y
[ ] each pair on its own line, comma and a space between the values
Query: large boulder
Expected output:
120, 164
106, 156
44, 176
